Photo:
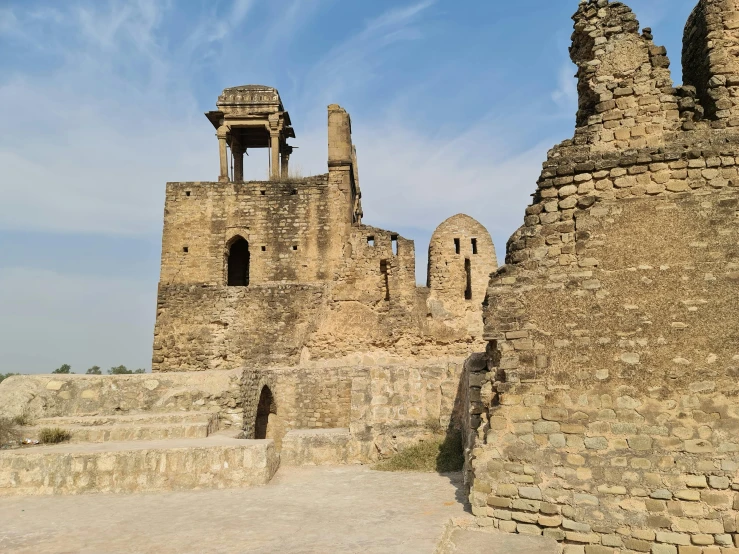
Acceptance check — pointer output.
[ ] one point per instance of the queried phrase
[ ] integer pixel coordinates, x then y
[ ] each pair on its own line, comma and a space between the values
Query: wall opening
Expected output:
371, 241
185, 249
187, 193
468, 273
474, 246
456, 246
264, 409
238, 263
394, 241
384, 271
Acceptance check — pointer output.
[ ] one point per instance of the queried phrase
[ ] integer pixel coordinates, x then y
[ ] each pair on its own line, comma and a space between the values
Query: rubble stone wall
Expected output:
710, 64
607, 415
43, 396
385, 406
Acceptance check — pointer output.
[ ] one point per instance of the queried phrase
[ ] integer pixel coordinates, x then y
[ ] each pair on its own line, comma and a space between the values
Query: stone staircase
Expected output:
136, 427
131, 433
142, 452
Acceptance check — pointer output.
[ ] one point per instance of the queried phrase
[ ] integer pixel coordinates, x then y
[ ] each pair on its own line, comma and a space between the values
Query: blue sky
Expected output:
454, 106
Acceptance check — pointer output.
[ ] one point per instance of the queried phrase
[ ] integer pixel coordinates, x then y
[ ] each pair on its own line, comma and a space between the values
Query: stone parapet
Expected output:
133, 467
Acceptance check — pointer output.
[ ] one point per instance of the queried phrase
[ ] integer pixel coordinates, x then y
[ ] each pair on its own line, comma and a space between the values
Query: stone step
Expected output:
136, 419
137, 466
317, 447
127, 432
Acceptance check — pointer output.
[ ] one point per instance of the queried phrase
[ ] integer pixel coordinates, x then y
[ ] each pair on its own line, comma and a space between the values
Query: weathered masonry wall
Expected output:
384, 406
287, 226
43, 396
284, 273
709, 59
606, 414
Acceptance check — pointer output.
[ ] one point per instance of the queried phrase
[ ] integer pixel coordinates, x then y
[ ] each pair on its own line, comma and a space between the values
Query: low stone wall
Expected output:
137, 467
44, 396
317, 447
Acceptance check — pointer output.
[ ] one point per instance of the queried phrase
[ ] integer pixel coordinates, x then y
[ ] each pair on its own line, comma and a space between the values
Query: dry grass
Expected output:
442, 454
53, 435
24, 418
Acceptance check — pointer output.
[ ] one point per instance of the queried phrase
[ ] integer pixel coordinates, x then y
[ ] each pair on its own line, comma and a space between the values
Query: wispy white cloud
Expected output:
565, 95
352, 62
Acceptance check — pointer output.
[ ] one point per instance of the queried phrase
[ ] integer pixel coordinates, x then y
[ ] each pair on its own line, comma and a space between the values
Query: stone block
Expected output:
527, 529
673, 538
531, 493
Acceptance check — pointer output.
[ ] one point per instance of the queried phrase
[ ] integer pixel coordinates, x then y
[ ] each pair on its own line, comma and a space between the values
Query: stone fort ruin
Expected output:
604, 411
280, 316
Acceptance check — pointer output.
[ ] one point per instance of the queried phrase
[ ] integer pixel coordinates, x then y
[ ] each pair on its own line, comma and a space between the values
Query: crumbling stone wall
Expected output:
606, 414
384, 405
625, 90
321, 285
42, 396
710, 64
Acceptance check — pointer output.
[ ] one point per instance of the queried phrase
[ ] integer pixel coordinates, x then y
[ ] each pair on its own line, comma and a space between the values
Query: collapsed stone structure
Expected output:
282, 278
281, 317
605, 411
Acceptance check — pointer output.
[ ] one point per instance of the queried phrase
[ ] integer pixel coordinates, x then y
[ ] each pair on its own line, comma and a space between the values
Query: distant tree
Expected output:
123, 370
94, 370
65, 369
4, 376
119, 370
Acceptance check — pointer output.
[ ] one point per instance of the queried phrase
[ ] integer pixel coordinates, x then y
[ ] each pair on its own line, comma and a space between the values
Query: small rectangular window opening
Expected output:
371, 241
456, 246
474, 246
262, 192
295, 247
294, 192
264, 248
185, 249
384, 271
394, 240
468, 272
187, 193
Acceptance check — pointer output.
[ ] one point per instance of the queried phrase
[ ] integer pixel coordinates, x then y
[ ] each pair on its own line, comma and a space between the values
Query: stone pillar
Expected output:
238, 154
275, 150
339, 136
284, 169
221, 134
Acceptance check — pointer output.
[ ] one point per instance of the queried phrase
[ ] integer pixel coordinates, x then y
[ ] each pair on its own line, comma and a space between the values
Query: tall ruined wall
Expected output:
625, 90
710, 64
606, 415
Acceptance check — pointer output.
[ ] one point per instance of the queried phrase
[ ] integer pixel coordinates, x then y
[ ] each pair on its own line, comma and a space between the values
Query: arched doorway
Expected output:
264, 408
238, 263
